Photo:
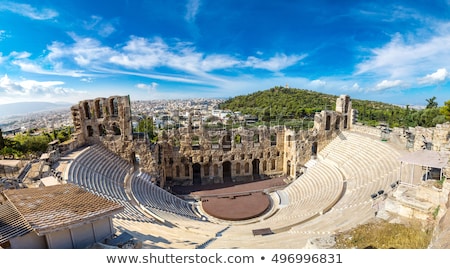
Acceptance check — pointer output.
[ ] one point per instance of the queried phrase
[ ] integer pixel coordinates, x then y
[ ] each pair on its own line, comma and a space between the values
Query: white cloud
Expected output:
192, 7
151, 58
33, 89
141, 53
400, 59
29, 11
150, 88
439, 76
29, 66
87, 80
97, 24
85, 51
275, 63
19, 55
356, 87
3, 35
318, 83
388, 84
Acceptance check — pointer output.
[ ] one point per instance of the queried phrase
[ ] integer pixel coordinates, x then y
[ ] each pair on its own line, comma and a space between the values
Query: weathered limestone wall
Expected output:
106, 121
192, 156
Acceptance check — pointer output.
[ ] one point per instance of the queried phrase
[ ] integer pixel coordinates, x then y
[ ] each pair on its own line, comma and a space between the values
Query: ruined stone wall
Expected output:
204, 156
200, 156
106, 121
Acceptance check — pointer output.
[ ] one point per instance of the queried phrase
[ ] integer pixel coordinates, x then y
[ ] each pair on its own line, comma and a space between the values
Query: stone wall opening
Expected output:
197, 174
255, 167
314, 149
226, 166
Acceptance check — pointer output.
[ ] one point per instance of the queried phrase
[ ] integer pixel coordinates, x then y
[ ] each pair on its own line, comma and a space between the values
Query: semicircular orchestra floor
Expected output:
239, 201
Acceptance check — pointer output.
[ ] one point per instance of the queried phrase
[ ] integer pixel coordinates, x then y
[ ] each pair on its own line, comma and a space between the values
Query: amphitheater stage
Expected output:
234, 201
231, 187
236, 206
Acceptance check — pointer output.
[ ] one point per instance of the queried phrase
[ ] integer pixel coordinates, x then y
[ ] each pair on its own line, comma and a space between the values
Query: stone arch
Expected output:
177, 171
98, 106
116, 129
327, 122
314, 149
337, 125
238, 168
90, 130
186, 170
237, 139
289, 138
195, 142
87, 110
114, 107
101, 130
226, 171
196, 174
273, 139
246, 168
226, 143
206, 170
255, 167
215, 170
256, 138
288, 168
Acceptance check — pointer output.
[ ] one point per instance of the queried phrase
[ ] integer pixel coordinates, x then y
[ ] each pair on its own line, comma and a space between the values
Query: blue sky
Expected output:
390, 51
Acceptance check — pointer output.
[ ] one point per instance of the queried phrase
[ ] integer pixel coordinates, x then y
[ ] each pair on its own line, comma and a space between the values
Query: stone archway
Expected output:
288, 168
255, 168
314, 150
226, 166
197, 175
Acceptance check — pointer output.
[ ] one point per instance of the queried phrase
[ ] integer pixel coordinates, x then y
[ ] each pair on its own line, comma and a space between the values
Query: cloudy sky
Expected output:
391, 51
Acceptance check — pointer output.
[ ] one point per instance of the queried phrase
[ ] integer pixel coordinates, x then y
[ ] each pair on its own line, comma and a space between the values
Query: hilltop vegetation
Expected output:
31, 143
296, 107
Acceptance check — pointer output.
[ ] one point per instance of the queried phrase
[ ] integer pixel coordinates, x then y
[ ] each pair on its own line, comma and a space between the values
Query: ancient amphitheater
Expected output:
318, 182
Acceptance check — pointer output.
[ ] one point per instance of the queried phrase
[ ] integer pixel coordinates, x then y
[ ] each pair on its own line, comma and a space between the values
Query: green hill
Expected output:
296, 107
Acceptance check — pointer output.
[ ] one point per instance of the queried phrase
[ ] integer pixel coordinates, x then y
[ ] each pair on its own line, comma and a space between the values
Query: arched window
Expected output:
273, 139
177, 171
327, 122
237, 139
338, 123
238, 168
226, 143
101, 130
195, 143
256, 138
186, 170
215, 170
87, 110
99, 108
206, 170
114, 107
90, 130
246, 168
116, 129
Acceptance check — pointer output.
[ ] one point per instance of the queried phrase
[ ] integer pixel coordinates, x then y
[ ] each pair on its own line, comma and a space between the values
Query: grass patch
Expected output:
384, 235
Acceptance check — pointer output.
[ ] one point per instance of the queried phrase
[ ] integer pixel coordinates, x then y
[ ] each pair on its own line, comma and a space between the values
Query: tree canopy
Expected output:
284, 105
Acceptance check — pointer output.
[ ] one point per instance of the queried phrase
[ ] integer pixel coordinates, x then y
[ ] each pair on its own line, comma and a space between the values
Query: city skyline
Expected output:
70, 51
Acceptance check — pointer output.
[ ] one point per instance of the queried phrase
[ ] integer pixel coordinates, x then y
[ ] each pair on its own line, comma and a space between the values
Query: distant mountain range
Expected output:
23, 108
